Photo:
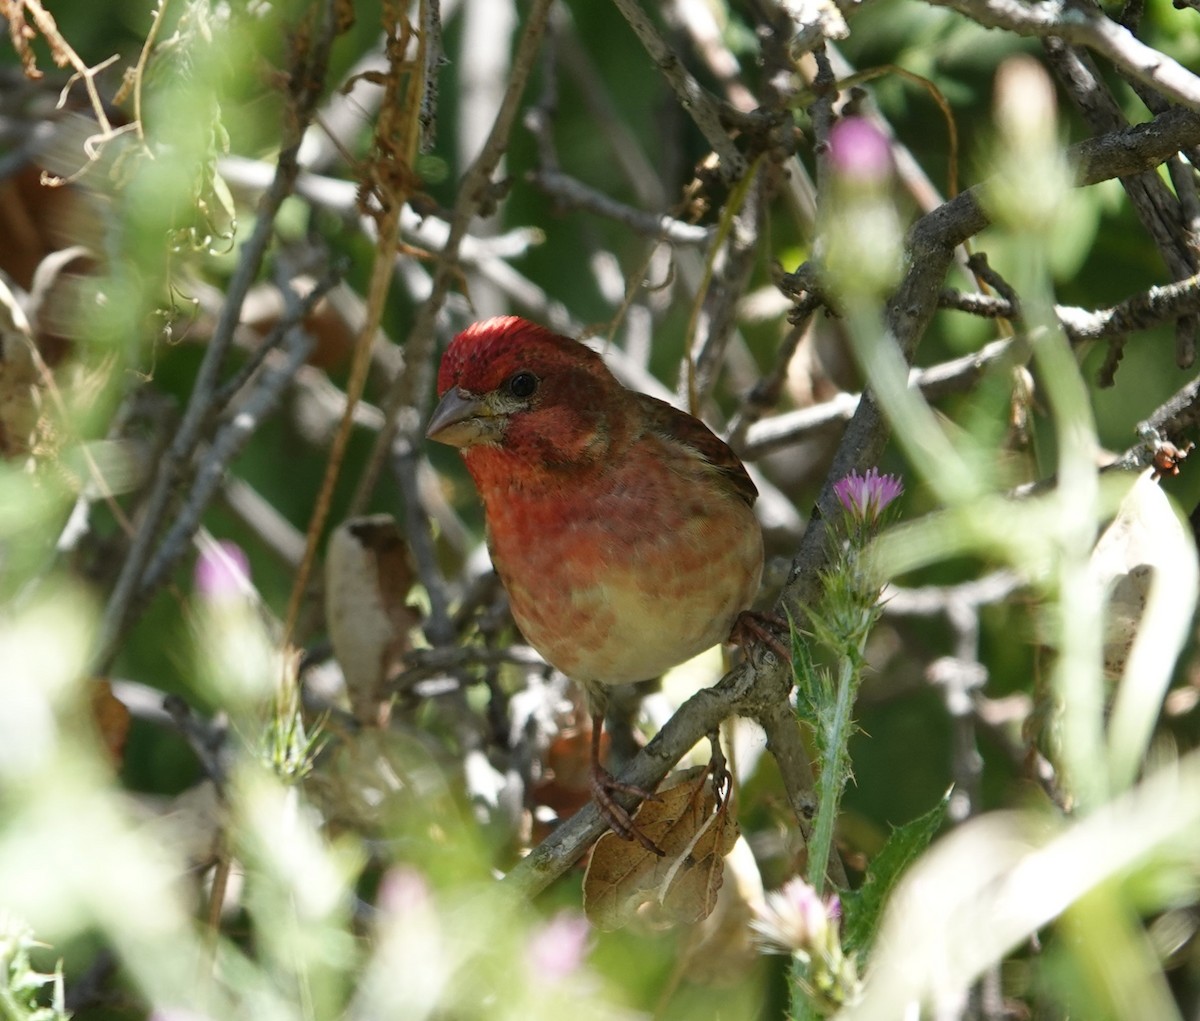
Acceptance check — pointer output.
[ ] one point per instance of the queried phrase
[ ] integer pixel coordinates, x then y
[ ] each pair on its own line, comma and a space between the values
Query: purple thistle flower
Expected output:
557, 949
222, 572
865, 497
405, 892
796, 920
860, 152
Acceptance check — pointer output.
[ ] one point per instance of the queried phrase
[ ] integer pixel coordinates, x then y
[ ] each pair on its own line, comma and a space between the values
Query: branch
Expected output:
1116, 154
743, 691
1143, 311
780, 431
411, 388
1158, 210
727, 274
1178, 413
228, 443
694, 98
123, 604
1150, 308
1135, 149
573, 193
1084, 26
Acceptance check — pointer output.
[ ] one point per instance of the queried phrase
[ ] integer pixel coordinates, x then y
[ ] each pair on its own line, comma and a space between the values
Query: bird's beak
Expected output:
461, 420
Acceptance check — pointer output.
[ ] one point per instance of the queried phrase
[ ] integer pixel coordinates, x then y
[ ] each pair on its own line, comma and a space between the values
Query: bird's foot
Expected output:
722, 779
604, 785
750, 626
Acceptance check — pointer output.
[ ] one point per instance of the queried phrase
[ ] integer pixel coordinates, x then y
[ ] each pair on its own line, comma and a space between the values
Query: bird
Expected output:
621, 527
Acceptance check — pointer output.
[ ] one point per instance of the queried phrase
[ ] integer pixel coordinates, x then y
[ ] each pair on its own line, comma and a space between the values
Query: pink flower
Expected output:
865, 497
795, 920
557, 948
404, 891
860, 152
222, 572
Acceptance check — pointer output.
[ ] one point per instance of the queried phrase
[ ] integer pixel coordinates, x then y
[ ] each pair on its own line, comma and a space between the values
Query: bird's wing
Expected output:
679, 427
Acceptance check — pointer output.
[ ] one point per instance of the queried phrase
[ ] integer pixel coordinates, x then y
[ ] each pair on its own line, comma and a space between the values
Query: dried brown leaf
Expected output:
111, 718
624, 880
566, 784
20, 393
192, 824
331, 321
368, 576
1145, 540
722, 949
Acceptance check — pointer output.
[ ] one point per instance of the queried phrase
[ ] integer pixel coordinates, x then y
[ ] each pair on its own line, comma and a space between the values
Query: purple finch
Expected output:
622, 528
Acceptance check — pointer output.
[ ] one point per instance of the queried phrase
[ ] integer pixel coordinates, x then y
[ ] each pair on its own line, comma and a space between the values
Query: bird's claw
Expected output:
722, 779
604, 785
750, 626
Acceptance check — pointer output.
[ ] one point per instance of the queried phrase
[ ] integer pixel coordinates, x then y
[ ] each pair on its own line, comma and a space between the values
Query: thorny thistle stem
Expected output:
823, 979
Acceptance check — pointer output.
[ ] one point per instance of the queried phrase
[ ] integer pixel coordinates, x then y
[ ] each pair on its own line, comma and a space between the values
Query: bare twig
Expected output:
298, 308
710, 45
393, 180
784, 430
1086, 26
962, 674
765, 394
60, 50
1144, 311
730, 265
742, 691
226, 445
408, 395
139, 70
1158, 210
432, 59
1179, 413
1117, 154
124, 601
574, 194
693, 97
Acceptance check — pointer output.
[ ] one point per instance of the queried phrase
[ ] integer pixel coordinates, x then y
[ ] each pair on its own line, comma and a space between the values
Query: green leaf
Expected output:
864, 907
804, 673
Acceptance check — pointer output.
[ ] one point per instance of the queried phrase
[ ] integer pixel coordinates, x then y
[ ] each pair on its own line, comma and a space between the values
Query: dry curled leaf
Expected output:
367, 580
20, 386
332, 320
192, 823
566, 785
37, 219
1145, 540
623, 879
111, 718
720, 950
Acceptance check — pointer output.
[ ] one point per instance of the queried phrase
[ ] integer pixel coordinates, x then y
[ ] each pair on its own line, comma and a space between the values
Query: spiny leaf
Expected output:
864, 906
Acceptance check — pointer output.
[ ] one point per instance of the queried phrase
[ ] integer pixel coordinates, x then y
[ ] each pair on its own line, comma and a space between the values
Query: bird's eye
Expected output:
522, 385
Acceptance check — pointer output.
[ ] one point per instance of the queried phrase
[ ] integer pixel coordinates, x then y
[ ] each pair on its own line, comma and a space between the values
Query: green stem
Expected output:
833, 770
802, 1006
829, 789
